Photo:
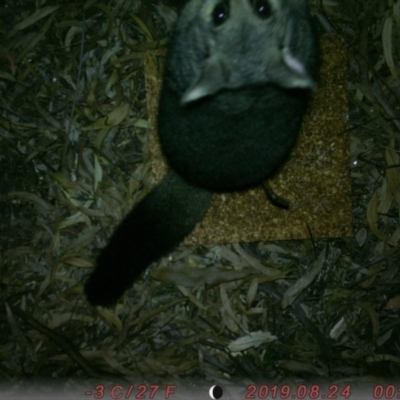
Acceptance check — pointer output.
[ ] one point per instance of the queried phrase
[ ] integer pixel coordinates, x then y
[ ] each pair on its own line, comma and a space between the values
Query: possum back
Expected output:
237, 81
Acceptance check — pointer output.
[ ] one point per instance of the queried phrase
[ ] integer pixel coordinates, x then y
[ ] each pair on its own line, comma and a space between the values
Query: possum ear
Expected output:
211, 79
296, 75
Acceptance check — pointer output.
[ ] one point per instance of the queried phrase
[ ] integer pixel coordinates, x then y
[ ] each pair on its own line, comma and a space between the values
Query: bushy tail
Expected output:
154, 227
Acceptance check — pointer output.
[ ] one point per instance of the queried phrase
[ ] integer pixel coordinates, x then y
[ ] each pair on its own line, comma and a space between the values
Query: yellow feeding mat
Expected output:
315, 180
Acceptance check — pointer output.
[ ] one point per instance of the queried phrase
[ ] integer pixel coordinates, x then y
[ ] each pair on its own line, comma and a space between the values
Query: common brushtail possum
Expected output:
236, 84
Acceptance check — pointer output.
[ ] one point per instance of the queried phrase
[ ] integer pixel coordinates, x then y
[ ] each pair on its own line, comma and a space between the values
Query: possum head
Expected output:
228, 44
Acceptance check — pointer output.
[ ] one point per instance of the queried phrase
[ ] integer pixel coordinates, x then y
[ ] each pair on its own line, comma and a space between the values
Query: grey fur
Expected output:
230, 111
244, 50
234, 94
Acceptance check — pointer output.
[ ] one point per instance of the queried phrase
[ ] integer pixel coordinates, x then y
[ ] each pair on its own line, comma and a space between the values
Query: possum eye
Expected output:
220, 13
262, 8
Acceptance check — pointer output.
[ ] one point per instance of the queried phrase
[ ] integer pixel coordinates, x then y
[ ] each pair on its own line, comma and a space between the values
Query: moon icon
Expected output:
216, 392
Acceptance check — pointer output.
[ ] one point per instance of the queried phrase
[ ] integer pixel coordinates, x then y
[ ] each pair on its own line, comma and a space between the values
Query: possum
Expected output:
236, 86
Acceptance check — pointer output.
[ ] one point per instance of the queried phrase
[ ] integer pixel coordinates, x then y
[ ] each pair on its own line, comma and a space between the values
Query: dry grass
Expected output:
73, 159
